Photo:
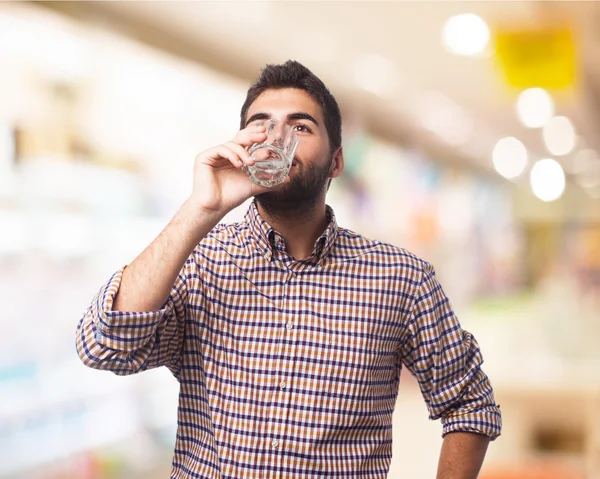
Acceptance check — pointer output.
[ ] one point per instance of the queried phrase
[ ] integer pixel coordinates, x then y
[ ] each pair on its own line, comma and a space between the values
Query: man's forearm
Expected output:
148, 280
462, 455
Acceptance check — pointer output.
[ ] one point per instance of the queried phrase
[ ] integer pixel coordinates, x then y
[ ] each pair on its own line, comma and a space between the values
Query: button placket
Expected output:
284, 287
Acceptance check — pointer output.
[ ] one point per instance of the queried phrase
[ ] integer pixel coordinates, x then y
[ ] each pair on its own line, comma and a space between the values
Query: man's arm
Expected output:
136, 321
446, 360
219, 186
147, 281
462, 455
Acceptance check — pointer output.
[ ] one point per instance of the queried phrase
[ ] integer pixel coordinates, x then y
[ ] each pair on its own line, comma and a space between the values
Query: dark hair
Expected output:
292, 74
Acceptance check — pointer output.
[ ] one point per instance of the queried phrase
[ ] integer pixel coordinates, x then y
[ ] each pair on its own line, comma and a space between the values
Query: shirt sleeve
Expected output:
446, 360
130, 342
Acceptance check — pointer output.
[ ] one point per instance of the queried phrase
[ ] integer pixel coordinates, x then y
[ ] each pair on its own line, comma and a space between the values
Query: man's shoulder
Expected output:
355, 243
228, 230
225, 235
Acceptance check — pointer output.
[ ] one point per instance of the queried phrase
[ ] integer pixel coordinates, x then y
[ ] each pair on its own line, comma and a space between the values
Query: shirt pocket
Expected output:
351, 366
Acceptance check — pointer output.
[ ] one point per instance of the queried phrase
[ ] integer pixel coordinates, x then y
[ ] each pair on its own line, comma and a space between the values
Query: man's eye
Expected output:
303, 128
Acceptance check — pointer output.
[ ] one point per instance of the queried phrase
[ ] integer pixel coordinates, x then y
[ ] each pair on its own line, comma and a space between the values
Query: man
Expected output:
287, 332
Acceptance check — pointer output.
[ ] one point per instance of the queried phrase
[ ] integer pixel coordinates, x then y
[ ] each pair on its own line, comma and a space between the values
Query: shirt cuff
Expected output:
486, 421
120, 330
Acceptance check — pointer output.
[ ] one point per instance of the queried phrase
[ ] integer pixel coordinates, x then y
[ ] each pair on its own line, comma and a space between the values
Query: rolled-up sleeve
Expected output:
130, 342
446, 360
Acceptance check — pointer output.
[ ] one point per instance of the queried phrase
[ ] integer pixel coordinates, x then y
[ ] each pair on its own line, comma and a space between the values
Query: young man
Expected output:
287, 332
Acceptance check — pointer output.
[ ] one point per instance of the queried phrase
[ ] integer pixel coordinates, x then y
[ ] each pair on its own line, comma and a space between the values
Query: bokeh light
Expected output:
547, 179
559, 136
465, 34
535, 107
509, 157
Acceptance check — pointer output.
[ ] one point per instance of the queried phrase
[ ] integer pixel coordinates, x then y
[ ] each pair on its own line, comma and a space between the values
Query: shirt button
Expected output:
282, 385
289, 326
275, 443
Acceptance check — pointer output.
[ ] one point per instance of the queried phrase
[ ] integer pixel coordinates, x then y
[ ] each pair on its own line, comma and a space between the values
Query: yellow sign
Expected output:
542, 57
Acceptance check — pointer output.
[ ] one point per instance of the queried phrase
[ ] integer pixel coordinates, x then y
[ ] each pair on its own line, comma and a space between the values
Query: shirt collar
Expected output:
266, 237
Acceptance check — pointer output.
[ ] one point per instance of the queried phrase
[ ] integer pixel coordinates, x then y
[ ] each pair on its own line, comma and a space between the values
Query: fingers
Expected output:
235, 151
246, 137
241, 152
251, 135
224, 151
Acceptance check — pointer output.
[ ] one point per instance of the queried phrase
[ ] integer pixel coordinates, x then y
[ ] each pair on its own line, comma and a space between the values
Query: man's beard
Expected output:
297, 200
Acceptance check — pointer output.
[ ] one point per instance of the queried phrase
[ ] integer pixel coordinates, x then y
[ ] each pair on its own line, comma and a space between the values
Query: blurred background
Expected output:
471, 134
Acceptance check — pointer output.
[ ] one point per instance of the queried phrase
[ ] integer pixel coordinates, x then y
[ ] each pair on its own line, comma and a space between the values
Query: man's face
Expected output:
310, 169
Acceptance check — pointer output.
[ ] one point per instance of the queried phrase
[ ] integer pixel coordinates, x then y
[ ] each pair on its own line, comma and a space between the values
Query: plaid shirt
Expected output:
290, 369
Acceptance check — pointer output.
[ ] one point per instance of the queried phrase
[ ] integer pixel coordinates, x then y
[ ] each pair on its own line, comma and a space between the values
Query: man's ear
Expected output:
337, 163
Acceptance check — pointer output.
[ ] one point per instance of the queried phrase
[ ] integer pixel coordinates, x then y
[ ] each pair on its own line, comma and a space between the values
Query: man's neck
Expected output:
299, 234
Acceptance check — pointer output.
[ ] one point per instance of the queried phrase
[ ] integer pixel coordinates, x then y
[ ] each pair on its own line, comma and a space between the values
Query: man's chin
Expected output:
283, 197
297, 198
280, 195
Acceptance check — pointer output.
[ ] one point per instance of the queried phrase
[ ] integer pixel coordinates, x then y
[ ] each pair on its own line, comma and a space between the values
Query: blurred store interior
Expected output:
471, 138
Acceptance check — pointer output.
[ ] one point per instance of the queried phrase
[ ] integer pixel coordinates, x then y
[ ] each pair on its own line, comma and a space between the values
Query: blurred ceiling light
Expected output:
535, 107
465, 34
547, 179
509, 157
376, 74
442, 116
559, 135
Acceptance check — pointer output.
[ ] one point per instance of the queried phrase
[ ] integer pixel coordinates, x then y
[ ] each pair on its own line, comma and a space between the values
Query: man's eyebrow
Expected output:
302, 116
258, 116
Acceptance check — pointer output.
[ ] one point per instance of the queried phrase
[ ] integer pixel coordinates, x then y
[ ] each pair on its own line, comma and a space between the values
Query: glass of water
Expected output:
273, 158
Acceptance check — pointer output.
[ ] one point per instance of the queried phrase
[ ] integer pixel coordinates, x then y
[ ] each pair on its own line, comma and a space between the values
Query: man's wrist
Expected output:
462, 455
199, 220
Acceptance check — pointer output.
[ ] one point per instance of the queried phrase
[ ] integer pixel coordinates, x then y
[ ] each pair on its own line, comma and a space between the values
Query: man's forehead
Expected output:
284, 101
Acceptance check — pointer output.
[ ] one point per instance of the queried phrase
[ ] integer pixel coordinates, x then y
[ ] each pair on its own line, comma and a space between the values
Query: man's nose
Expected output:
277, 131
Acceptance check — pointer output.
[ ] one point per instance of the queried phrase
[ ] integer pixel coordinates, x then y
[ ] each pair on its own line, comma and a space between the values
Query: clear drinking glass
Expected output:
273, 158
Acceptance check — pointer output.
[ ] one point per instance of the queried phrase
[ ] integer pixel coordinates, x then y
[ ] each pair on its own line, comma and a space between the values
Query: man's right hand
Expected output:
220, 184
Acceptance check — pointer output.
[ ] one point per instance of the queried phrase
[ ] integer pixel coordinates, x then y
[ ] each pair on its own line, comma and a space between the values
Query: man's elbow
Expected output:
95, 355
